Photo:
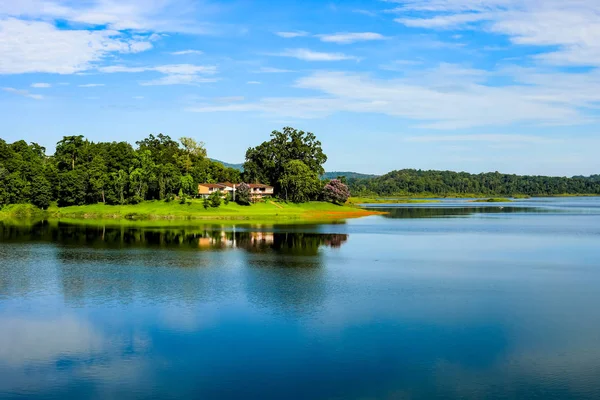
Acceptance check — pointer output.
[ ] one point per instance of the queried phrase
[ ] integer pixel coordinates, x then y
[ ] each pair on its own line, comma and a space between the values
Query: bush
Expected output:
336, 192
206, 203
215, 199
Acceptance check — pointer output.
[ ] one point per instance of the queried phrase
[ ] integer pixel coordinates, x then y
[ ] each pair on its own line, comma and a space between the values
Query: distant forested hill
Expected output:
239, 167
347, 174
410, 181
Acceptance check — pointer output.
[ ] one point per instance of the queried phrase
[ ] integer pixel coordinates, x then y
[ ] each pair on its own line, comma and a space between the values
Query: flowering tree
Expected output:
336, 192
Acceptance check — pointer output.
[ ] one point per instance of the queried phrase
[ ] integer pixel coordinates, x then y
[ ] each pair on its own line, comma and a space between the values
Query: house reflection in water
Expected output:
299, 243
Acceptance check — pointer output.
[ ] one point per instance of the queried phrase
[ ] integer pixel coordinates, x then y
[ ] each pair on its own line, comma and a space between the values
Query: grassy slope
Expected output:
173, 210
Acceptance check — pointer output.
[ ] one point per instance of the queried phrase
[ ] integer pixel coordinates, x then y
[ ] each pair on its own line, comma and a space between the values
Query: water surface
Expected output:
449, 300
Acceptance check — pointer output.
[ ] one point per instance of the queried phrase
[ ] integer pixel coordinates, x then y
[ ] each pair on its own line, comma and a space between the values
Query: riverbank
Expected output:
159, 210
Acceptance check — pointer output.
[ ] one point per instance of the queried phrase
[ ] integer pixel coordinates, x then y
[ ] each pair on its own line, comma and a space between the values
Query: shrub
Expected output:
215, 199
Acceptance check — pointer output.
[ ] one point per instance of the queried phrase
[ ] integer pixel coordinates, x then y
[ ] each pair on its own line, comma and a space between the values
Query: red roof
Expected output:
213, 185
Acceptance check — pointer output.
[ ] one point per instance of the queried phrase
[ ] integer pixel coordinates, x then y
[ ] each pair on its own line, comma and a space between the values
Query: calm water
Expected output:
451, 300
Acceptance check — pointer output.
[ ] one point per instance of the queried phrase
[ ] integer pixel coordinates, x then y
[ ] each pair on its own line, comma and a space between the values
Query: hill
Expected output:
239, 167
449, 183
347, 174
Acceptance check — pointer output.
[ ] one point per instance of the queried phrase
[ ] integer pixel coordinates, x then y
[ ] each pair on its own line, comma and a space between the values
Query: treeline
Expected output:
85, 172
443, 183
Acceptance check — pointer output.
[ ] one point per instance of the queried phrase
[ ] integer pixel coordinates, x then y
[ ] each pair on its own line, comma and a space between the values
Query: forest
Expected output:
82, 172
408, 182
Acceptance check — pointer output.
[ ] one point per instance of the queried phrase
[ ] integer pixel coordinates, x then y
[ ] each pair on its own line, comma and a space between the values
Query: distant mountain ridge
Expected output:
326, 175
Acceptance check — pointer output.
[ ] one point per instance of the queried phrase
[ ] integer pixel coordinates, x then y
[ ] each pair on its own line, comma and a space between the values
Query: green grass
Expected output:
160, 210
20, 211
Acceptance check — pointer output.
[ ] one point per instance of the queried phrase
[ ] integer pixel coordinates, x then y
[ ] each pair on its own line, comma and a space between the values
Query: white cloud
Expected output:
489, 138
175, 74
294, 34
446, 97
41, 85
24, 93
253, 83
136, 15
571, 26
309, 55
186, 52
35, 46
178, 79
89, 85
347, 38
269, 70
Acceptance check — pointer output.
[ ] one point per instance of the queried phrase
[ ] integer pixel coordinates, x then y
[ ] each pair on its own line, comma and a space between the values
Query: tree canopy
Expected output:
83, 172
290, 152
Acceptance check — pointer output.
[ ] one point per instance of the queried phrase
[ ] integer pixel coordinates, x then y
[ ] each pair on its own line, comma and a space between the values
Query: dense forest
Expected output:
159, 168
445, 183
84, 172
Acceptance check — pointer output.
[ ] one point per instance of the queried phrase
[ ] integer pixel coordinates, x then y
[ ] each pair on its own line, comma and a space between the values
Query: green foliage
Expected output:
227, 198
267, 162
71, 188
242, 194
215, 199
298, 182
448, 183
41, 192
206, 203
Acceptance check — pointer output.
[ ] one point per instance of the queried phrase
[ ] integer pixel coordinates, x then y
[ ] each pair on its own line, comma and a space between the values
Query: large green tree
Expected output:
267, 162
298, 182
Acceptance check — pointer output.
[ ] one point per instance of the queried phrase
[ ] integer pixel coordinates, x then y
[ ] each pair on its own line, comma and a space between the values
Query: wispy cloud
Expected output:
292, 34
269, 70
37, 46
175, 74
525, 22
446, 97
41, 85
489, 138
253, 83
23, 93
186, 52
351, 37
90, 85
310, 55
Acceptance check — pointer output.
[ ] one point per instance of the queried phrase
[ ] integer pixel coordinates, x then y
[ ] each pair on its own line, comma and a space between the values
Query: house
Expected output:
257, 190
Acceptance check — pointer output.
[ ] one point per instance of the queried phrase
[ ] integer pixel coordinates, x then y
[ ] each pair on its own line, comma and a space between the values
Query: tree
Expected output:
119, 180
266, 163
68, 149
298, 182
336, 192
206, 203
41, 192
242, 194
187, 185
215, 199
98, 177
71, 188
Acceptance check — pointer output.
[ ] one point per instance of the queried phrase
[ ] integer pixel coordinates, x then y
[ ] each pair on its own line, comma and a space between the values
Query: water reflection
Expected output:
438, 211
188, 238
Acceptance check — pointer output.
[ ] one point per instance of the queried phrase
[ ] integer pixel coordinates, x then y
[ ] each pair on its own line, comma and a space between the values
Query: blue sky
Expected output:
473, 85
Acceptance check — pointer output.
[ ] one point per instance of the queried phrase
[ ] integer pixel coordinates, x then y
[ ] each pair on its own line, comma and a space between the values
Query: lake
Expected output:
449, 300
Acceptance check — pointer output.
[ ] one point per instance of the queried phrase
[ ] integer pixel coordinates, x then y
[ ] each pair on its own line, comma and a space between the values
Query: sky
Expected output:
467, 85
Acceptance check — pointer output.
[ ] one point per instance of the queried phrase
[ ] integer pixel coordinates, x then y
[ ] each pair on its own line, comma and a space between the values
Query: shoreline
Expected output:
266, 212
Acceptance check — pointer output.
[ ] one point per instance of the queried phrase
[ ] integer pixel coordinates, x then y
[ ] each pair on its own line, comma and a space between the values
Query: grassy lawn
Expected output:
160, 210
